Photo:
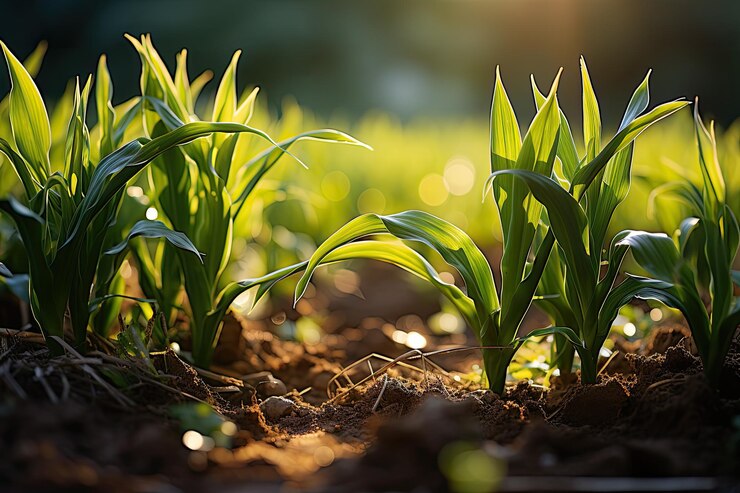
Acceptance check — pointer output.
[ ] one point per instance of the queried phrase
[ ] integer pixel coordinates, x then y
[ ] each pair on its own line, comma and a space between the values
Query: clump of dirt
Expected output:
183, 376
597, 404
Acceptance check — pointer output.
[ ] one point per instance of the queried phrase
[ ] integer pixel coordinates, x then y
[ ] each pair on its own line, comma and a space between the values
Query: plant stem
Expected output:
588, 369
496, 363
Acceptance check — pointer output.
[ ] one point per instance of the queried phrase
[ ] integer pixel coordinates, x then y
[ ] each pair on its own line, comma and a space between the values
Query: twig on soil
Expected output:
115, 393
145, 377
304, 391
23, 334
221, 378
382, 391
413, 354
229, 389
400, 361
609, 360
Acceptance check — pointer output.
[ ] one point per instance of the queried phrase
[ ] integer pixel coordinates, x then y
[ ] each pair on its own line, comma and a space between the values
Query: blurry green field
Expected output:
439, 166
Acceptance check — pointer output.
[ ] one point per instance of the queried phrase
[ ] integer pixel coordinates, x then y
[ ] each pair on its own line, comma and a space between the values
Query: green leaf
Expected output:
658, 255
519, 211
96, 303
227, 296
48, 299
182, 82
224, 106
685, 300
692, 248
591, 115
28, 117
408, 259
197, 84
638, 103
566, 145
732, 233
654, 252
155, 229
714, 183
34, 60
246, 108
567, 220
615, 185
622, 294
77, 144
30, 180
588, 172
159, 72
104, 105
505, 138
115, 170
455, 247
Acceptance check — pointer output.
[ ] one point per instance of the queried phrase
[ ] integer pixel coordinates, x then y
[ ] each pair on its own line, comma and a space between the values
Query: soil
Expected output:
651, 418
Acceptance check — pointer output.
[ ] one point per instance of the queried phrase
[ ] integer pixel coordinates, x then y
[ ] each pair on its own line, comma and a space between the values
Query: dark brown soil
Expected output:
651, 414
660, 420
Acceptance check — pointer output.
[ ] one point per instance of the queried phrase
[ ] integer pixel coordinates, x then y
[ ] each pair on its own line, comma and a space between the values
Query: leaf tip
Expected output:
556, 82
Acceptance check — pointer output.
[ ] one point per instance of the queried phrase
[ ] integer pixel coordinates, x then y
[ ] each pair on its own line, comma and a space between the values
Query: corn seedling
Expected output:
65, 217
201, 188
521, 181
699, 259
577, 285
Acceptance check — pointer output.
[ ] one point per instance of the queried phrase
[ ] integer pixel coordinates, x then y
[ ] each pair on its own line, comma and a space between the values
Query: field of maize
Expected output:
202, 290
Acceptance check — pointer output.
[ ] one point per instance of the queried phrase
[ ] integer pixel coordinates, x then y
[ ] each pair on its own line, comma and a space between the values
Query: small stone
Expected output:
271, 387
276, 407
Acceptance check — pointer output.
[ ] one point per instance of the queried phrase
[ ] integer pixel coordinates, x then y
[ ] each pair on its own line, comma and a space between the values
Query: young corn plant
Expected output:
66, 217
578, 284
697, 263
201, 188
496, 319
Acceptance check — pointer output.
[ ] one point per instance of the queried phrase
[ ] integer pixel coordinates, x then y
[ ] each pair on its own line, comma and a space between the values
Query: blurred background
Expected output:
416, 58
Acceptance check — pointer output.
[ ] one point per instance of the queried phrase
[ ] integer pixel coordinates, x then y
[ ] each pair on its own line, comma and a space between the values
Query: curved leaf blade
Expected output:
155, 229
455, 247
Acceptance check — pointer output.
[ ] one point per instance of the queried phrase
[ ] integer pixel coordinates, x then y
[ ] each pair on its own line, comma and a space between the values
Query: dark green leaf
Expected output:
155, 229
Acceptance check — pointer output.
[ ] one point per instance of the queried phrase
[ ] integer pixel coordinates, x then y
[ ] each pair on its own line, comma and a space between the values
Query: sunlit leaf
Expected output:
28, 117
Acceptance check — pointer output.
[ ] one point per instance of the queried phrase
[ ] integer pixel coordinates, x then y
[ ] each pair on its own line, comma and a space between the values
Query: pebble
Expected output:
276, 407
272, 387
